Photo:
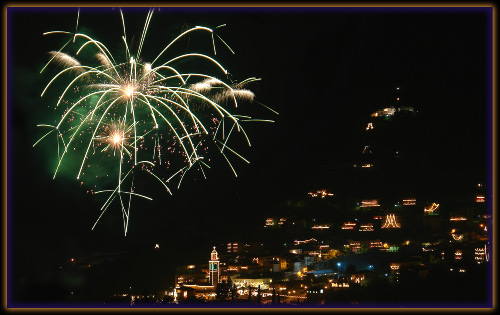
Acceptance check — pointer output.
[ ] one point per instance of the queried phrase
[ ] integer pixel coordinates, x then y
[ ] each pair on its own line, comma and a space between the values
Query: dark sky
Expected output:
324, 71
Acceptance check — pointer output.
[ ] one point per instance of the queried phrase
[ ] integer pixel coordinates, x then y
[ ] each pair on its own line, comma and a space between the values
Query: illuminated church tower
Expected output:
213, 270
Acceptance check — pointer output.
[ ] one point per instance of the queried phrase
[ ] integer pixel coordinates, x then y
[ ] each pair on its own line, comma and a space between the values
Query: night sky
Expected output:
324, 70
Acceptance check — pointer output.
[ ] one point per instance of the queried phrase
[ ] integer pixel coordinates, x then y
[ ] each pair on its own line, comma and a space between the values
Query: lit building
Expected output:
348, 226
370, 203
391, 111
409, 202
481, 254
395, 266
269, 222
264, 283
320, 227
391, 222
366, 227
232, 247
358, 277
213, 269
388, 111
354, 246
305, 241
340, 284
202, 292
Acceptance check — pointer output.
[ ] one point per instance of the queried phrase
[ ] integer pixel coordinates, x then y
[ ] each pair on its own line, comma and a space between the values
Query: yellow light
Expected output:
117, 138
128, 90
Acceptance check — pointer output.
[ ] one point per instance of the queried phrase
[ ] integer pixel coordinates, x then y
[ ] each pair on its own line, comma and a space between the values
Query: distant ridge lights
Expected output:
321, 193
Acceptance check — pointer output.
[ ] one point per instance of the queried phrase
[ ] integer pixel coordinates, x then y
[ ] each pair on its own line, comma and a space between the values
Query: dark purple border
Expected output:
487, 10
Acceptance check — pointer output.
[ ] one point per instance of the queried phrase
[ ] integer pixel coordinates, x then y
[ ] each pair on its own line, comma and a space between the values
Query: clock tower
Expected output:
213, 268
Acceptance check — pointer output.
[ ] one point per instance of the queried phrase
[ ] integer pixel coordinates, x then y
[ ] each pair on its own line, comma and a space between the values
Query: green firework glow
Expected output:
118, 118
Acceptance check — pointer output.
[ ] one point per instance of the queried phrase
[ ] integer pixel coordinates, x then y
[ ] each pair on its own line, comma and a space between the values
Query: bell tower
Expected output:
213, 270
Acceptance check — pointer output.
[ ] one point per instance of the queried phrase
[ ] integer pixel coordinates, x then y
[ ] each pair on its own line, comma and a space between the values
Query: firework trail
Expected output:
141, 116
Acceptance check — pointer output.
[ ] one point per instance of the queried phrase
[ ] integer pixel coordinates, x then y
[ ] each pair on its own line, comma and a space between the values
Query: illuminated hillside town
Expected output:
330, 259
378, 243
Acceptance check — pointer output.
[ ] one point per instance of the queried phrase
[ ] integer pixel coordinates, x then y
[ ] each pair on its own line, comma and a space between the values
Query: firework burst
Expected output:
142, 116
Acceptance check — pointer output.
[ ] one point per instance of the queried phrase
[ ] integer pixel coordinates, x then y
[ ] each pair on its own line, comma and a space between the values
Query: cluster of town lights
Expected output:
320, 193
